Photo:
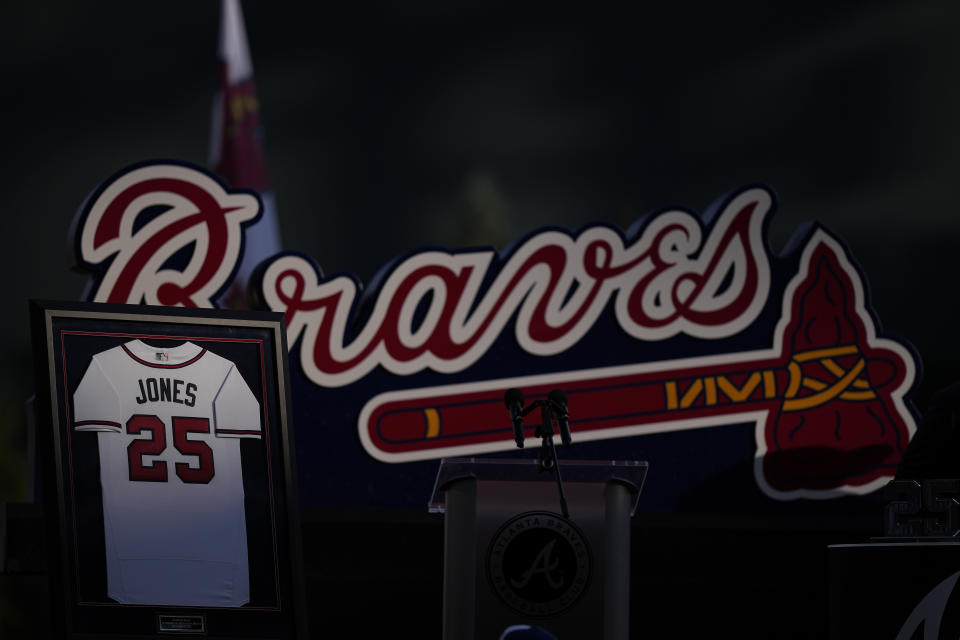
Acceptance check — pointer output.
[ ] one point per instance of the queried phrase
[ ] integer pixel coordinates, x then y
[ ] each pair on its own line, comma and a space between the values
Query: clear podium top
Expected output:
630, 472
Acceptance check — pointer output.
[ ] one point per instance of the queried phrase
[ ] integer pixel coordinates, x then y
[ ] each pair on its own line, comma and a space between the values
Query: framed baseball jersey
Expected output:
168, 471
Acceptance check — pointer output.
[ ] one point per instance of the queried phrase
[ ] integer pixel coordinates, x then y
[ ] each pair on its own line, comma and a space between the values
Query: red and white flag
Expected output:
236, 145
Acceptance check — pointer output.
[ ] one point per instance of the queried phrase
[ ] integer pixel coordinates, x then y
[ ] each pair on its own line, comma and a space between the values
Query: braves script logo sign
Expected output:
826, 394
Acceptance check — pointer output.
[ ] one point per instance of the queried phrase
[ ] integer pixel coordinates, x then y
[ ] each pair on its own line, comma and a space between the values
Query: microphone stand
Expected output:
547, 457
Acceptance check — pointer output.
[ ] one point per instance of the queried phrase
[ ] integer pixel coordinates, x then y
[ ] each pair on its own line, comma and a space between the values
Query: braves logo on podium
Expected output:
539, 563
162, 233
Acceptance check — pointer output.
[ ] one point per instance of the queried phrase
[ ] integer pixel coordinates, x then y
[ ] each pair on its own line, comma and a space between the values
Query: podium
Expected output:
510, 557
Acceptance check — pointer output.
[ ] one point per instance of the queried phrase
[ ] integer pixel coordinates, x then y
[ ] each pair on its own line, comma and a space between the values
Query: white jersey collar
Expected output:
164, 357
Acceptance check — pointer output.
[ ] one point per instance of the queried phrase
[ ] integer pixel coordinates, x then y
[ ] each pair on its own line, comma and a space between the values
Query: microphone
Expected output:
559, 399
513, 398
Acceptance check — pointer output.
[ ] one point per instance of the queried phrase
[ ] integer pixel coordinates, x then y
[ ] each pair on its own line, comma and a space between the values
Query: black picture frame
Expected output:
84, 586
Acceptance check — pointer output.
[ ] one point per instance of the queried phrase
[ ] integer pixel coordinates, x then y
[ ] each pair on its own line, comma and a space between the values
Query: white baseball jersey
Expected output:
169, 423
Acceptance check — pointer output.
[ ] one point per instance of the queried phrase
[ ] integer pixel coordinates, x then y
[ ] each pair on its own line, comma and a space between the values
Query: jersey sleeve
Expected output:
96, 404
236, 412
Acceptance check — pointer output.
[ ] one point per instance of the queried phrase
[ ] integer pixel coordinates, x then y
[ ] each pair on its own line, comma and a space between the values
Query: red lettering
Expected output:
431, 312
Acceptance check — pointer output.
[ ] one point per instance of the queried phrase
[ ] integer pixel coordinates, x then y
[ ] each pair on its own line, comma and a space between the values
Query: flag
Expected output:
236, 145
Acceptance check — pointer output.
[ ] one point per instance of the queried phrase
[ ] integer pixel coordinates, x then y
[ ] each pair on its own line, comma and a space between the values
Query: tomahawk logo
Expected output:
162, 233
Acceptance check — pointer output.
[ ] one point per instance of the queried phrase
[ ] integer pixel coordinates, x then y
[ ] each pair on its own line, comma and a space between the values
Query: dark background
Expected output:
394, 126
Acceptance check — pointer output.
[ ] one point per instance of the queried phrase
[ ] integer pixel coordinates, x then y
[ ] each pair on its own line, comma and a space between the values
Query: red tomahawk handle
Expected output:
827, 399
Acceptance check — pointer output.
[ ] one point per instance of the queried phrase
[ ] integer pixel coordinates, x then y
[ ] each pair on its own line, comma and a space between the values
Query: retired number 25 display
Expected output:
169, 422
